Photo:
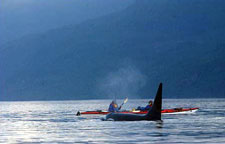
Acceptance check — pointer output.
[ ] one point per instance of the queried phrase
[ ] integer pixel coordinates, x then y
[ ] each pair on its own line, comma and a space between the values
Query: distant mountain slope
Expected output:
180, 43
22, 17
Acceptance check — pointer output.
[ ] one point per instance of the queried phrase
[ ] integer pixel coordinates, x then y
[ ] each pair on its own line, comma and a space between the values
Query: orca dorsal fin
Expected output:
155, 112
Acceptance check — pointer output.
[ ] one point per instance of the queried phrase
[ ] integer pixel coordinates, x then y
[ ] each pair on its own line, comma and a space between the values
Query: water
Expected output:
55, 122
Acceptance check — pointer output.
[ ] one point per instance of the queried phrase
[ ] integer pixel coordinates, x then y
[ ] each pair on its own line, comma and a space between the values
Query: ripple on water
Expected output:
55, 122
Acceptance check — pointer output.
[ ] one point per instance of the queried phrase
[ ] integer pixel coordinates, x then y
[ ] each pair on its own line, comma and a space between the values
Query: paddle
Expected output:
125, 101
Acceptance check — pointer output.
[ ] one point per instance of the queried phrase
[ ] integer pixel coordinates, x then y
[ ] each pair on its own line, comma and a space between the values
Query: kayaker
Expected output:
148, 107
113, 107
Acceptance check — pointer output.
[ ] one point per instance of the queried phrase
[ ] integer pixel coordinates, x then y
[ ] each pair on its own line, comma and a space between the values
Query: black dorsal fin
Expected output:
155, 112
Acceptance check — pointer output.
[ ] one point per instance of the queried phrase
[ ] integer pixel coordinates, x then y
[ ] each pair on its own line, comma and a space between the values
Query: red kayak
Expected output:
164, 111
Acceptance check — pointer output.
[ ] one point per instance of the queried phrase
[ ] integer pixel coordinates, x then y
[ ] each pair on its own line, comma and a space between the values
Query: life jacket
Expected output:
144, 108
113, 108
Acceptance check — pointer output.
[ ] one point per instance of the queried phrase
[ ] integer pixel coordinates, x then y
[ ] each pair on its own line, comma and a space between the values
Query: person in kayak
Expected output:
113, 107
148, 107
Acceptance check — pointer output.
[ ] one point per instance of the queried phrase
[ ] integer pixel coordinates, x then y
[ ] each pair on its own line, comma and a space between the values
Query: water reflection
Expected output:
55, 122
159, 124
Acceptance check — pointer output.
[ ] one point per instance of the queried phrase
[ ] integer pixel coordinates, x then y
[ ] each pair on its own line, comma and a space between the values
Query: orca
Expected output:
154, 114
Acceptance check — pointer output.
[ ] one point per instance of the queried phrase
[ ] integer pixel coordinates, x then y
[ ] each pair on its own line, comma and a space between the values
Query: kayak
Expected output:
164, 111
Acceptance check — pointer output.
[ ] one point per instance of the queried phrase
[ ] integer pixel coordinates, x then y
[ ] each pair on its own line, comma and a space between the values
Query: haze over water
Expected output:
55, 122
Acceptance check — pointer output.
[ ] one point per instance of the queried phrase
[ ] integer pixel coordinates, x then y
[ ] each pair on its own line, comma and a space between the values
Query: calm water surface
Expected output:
55, 122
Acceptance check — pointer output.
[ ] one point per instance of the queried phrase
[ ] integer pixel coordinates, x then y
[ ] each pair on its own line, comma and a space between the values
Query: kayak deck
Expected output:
164, 111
